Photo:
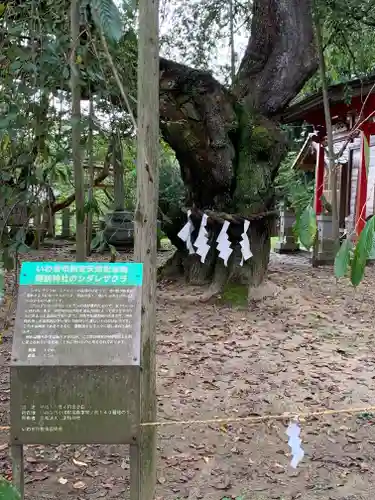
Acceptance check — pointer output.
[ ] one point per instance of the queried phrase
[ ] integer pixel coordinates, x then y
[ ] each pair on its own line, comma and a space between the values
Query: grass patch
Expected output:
274, 240
234, 295
165, 244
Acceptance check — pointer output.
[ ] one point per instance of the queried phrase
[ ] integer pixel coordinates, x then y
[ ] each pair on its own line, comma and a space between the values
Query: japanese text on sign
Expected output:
83, 274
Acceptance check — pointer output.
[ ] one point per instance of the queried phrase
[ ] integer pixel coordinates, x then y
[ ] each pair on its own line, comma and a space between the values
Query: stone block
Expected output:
325, 247
119, 229
286, 242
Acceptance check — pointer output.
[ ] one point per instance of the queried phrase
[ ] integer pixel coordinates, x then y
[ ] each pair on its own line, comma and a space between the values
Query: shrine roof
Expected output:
308, 108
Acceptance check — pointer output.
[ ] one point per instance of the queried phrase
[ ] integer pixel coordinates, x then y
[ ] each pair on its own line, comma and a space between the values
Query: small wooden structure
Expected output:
352, 108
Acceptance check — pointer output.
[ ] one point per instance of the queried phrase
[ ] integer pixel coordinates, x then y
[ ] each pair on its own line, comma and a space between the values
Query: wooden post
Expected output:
90, 193
65, 223
319, 179
18, 474
360, 211
143, 456
79, 182
118, 176
38, 225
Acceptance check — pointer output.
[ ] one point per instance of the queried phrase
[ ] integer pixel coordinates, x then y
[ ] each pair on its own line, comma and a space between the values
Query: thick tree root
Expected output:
216, 276
220, 278
212, 292
264, 291
173, 268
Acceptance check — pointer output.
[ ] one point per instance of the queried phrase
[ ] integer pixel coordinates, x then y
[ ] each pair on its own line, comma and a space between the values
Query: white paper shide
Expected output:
201, 243
245, 243
185, 234
223, 244
293, 432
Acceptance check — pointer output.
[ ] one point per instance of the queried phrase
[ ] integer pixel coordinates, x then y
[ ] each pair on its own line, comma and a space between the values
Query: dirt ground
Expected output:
309, 346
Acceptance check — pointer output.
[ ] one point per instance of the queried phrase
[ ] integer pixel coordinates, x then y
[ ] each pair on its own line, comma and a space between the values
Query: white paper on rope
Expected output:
223, 242
293, 432
245, 243
185, 233
201, 243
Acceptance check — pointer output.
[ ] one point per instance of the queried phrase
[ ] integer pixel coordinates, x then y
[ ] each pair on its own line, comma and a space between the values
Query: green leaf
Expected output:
107, 18
113, 250
362, 252
66, 73
8, 259
22, 248
307, 227
342, 259
92, 206
357, 270
8, 491
20, 235
97, 240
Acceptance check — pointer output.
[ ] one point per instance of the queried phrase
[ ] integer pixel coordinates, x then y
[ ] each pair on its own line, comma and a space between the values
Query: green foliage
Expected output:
93, 206
99, 242
306, 227
12, 243
107, 18
35, 124
171, 187
294, 186
343, 258
355, 260
8, 491
258, 140
362, 252
349, 40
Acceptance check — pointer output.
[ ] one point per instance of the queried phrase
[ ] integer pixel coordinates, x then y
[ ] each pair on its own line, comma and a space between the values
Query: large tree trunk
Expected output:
226, 141
228, 146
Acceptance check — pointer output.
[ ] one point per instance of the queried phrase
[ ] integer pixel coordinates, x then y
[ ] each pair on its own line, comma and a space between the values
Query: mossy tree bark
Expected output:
228, 141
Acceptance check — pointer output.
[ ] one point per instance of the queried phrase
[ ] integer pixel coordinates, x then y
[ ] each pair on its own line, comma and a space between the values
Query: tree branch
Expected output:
56, 207
280, 56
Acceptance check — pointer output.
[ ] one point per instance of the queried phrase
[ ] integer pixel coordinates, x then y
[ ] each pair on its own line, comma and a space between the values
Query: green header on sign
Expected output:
81, 274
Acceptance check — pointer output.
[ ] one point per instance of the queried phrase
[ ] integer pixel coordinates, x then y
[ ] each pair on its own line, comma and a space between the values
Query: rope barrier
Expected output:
262, 418
301, 416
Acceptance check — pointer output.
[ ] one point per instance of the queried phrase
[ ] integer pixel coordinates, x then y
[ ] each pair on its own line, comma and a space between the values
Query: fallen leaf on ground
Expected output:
79, 485
36, 477
41, 467
79, 463
62, 480
223, 485
107, 486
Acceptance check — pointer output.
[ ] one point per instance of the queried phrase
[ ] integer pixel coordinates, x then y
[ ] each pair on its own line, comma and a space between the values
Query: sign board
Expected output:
76, 353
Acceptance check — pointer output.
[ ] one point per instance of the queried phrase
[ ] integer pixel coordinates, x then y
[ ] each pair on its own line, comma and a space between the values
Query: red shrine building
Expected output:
352, 107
